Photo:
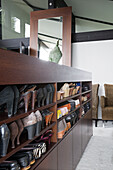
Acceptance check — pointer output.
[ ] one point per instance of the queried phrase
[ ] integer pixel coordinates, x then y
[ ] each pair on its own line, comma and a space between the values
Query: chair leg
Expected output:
96, 123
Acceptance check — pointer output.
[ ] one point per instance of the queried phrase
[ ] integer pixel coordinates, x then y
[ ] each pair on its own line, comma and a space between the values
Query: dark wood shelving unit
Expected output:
63, 117
86, 92
24, 141
39, 72
20, 114
67, 98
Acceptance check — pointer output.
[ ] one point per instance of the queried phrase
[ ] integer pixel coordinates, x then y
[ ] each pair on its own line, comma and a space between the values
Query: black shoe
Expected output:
16, 99
22, 159
10, 165
53, 91
7, 97
40, 96
4, 139
30, 154
44, 96
49, 94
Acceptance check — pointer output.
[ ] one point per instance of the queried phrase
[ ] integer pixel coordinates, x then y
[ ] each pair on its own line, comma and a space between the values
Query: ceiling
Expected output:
94, 9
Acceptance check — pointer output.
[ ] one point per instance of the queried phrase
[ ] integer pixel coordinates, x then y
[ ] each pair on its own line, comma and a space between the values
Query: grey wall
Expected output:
14, 9
96, 57
85, 26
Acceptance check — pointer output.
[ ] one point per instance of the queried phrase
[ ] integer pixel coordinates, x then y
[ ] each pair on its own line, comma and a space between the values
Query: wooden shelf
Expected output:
21, 114
50, 148
59, 140
24, 141
86, 92
86, 102
67, 98
63, 117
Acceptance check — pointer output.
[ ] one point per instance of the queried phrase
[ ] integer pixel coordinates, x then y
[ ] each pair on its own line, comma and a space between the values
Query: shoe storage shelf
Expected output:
63, 152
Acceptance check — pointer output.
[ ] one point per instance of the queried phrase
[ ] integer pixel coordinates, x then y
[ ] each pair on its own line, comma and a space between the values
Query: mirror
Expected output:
49, 33
51, 25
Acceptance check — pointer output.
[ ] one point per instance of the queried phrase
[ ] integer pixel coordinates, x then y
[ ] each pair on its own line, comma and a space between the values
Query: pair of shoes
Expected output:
23, 159
46, 137
10, 96
26, 92
32, 124
71, 120
4, 139
62, 128
12, 165
85, 87
45, 95
46, 117
38, 148
16, 128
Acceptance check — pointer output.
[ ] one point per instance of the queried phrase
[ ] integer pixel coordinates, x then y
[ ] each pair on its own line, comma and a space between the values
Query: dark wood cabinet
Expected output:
65, 153
50, 162
84, 134
76, 149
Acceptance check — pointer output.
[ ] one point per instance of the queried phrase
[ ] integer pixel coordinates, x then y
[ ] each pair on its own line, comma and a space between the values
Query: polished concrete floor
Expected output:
98, 154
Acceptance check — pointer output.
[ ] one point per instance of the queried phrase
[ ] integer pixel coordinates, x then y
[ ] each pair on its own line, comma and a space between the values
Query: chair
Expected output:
95, 102
107, 103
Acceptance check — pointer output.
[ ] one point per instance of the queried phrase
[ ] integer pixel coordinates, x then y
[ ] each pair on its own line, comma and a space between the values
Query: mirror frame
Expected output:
66, 13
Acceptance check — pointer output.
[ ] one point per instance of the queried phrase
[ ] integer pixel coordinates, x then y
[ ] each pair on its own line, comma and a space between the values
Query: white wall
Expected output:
96, 57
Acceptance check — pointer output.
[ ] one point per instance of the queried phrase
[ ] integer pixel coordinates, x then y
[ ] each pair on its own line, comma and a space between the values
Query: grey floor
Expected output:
98, 154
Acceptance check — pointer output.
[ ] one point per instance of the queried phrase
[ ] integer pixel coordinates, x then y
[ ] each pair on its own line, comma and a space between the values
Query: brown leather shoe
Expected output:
21, 128
30, 124
13, 133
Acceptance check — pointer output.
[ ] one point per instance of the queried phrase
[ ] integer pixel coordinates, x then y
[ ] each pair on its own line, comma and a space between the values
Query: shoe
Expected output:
85, 87
41, 148
39, 122
22, 159
36, 150
24, 100
46, 137
62, 127
26, 93
29, 123
12, 165
47, 116
30, 154
69, 121
16, 99
52, 94
40, 96
44, 96
7, 97
49, 94
13, 127
21, 128
34, 95
4, 139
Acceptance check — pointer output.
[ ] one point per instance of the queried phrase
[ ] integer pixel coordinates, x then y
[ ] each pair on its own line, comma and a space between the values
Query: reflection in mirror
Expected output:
49, 36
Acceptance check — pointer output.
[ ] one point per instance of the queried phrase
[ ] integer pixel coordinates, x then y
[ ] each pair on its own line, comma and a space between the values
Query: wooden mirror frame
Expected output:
66, 13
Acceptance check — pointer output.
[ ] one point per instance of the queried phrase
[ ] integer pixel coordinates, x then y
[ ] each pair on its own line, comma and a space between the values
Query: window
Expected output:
15, 24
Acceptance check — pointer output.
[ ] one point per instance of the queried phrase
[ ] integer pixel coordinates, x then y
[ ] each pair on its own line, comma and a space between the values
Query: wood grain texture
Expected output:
18, 68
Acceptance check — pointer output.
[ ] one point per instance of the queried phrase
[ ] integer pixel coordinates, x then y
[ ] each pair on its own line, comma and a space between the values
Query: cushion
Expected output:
109, 94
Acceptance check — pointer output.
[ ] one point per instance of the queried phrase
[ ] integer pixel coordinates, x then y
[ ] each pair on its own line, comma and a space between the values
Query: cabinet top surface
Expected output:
16, 68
